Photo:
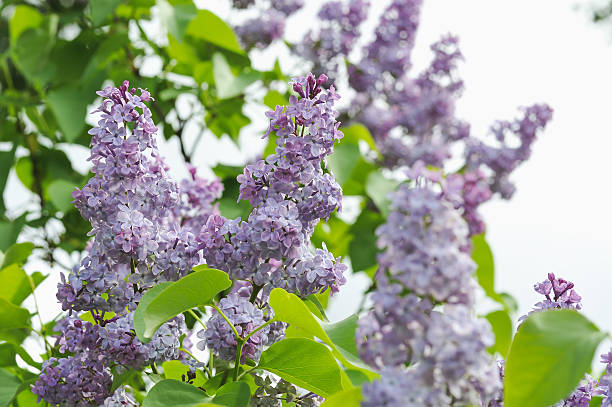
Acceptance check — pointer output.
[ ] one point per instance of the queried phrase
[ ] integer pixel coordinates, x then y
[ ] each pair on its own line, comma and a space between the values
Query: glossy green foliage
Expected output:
305, 363
549, 355
162, 304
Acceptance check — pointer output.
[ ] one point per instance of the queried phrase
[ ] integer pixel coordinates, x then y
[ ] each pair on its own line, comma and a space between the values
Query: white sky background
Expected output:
517, 52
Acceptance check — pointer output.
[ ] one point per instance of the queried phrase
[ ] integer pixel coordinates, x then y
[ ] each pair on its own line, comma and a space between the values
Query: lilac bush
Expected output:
421, 338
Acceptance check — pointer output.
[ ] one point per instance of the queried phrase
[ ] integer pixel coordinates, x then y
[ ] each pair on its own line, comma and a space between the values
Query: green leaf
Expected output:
346, 398
595, 401
356, 132
485, 271
197, 288
550, 354
502, 328
7, 158
31, 53
274, 98
23, 354
509, 302
226, 117
378, 188
234, 394
363, 249
176, 16
101, 9
25, 17
227, 84
68, 103
15, 283
343, 161
305, 363
315, 306
342, 334
14, 322
174, 393
17, 254
357, 377
147, 298
9, 384
7, 355
339, 336
175, 369
210, 28
60, 192
9, 231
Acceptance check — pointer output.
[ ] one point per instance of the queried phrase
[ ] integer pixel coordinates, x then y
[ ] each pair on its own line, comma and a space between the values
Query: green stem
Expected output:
193, 314
246, 372
255, 292
211, 363
238, 357
258, 329
42, 326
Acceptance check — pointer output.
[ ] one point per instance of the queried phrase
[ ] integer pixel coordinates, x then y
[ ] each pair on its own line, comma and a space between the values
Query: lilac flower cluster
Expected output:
390, 52
131, 204
412, 115
261, 31
245, 317
423, 240
96, 348
424, 264
290, 192
336, 36
74, 381
503, 159
563, 295
143, 233
269, 25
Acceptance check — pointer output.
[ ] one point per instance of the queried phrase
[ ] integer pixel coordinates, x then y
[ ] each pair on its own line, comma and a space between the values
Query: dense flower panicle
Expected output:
246, 317
424, 260
290, 192
73, 381
261, 31
311, 274
134, 209
413, 119
340, 21
391, 334
143, 228
422, 241
390, 51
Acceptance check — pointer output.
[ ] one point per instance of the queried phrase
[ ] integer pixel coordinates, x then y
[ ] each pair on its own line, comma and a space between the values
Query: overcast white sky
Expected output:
517, 52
